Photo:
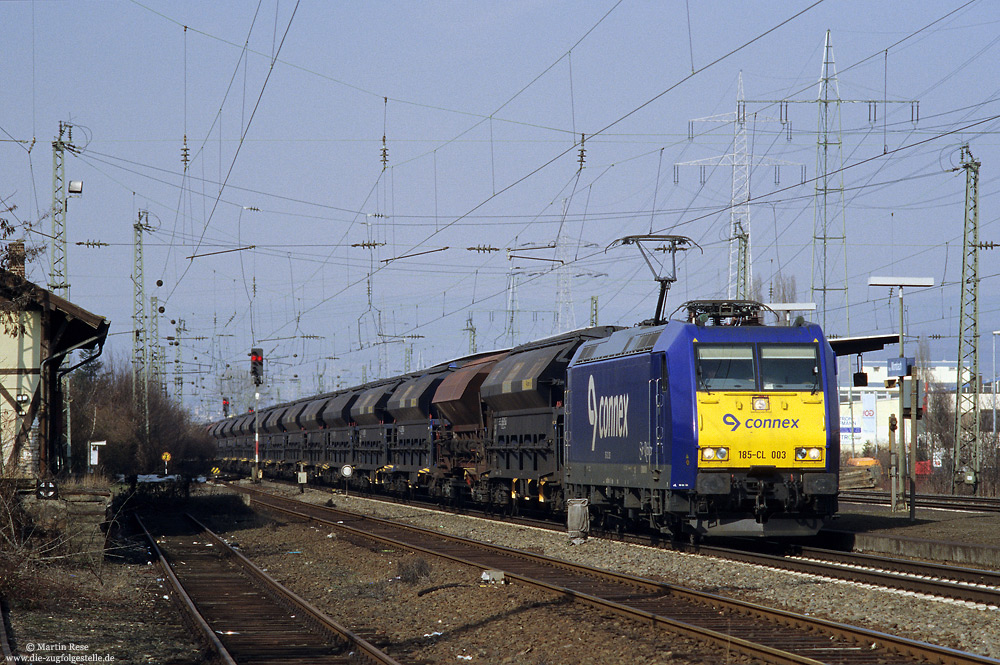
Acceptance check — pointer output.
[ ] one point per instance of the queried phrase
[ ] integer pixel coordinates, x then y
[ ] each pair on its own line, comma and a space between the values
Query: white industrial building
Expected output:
864, 412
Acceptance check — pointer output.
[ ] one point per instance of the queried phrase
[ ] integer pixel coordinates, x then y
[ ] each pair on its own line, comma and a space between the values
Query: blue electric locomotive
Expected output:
706, 429
713, 425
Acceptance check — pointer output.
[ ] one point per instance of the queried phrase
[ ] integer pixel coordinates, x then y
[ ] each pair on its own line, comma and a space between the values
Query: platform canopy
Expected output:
849, 346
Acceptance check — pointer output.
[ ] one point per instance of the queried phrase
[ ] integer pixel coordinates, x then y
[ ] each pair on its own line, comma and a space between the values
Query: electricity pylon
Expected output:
58, 275
140, 366
968, 455
740, 278
829, 243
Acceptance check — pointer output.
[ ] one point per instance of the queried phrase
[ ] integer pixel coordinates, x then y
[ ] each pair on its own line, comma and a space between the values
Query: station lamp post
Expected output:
993, 387
895, 471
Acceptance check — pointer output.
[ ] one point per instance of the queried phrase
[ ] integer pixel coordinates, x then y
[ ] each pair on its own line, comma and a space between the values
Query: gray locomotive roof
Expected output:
622, 343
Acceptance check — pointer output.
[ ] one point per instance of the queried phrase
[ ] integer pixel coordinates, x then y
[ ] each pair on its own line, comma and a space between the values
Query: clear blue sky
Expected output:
481, 105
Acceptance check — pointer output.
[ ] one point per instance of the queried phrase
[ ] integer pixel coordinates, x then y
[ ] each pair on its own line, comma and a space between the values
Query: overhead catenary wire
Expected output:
263, 87
901, 148
653, 210
186, 157
635, 110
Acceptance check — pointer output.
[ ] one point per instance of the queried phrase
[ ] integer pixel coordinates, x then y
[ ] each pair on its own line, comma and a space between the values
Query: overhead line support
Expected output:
967, 458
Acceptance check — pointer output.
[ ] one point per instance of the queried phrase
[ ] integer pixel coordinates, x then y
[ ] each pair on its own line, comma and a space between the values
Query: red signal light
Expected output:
257, 365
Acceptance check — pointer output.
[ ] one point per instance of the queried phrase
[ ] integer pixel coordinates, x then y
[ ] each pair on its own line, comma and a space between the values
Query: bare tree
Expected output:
14, 256
781, 289
938, 423
104, 410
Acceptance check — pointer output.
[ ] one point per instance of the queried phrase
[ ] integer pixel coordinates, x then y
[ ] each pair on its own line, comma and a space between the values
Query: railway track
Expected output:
970, 585
241, 612
775, 636
945, 501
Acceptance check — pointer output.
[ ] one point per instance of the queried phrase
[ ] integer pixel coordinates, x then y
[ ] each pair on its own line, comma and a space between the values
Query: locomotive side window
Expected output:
790, 367
725, 367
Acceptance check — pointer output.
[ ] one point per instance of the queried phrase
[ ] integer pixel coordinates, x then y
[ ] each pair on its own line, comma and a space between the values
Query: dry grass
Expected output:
412, 571
93, 481
18, 564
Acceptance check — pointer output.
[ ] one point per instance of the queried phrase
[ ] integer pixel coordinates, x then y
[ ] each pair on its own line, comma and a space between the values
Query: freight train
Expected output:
709, 425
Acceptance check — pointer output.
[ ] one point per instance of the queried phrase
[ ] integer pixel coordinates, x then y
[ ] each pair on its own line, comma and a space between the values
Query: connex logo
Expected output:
760, 423
608, 415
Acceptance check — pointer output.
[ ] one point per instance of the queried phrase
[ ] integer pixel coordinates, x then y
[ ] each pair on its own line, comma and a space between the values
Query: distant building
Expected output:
864, 412
38, 330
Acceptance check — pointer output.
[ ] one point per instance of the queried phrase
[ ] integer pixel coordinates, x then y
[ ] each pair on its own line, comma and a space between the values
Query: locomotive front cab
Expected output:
766, 439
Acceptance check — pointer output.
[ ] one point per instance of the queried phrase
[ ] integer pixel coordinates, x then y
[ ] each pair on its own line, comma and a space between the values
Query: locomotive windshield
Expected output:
790, 367
725, 367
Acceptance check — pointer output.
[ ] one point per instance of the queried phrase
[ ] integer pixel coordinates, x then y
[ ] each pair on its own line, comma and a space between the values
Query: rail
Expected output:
945, 501
242, 626
705, 616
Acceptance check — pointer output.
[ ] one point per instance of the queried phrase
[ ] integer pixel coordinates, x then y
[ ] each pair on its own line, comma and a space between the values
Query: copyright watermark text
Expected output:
58, 652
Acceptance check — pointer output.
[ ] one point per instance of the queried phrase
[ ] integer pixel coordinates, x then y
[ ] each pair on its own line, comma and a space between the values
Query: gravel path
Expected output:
946, 623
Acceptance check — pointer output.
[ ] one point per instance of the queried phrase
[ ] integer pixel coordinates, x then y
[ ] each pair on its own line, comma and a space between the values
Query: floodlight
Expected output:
791, 306
76, 187
901, 281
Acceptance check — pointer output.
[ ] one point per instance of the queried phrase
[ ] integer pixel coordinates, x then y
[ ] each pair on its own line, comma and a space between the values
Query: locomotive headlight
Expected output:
815, 454
761, 404
709, 454
811, 454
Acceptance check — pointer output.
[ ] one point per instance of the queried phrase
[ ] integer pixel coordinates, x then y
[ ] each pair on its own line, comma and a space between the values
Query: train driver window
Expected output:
790, 367
725, 367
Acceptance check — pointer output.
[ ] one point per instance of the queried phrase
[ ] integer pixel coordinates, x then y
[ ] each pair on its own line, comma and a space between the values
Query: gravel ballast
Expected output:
428, 610
945, 623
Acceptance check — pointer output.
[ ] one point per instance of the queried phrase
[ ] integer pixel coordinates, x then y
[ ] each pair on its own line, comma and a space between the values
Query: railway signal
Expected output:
257, 365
